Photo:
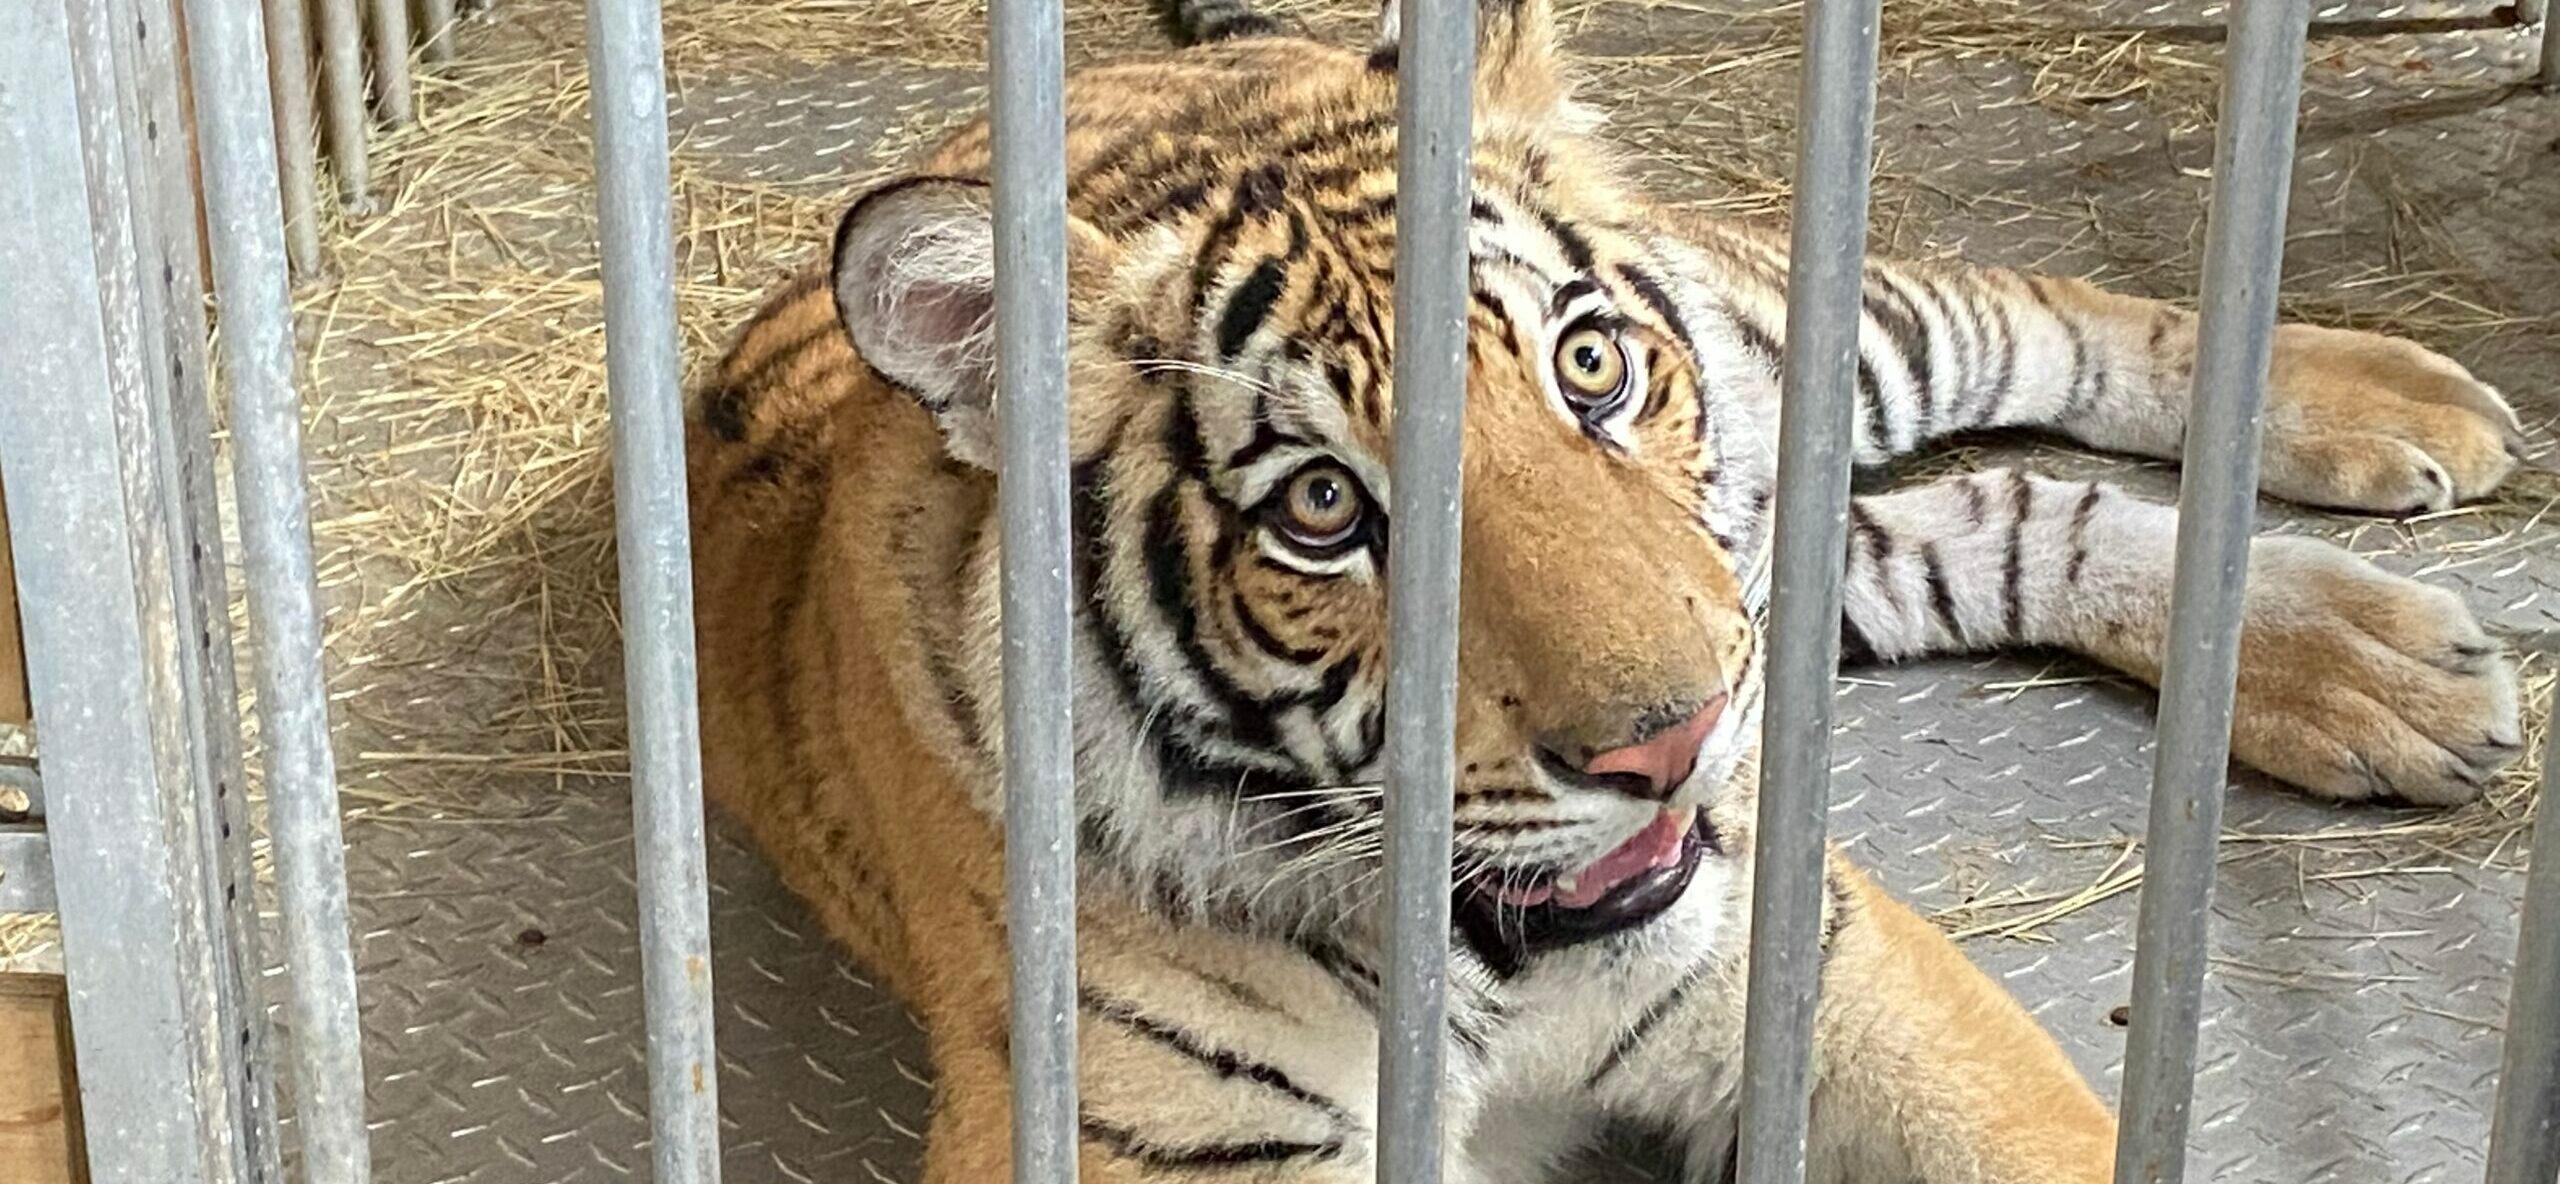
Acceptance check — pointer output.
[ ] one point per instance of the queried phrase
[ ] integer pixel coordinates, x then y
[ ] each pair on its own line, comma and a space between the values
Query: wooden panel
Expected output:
13, 650
39, 1101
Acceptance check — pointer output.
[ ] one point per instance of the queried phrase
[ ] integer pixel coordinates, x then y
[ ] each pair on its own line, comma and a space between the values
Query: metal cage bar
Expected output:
636, 233
1027, 60
243, 209
1435, 132
1816, 434
342, 99
297, 157
133, 76
146, 934
2524, 1130
2243, 261
2550, 70
390, 21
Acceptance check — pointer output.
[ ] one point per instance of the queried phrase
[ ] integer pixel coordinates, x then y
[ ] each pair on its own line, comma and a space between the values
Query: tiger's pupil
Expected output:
1587, 358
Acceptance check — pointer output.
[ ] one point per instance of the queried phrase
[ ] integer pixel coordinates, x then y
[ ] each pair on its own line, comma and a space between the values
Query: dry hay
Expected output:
455, 379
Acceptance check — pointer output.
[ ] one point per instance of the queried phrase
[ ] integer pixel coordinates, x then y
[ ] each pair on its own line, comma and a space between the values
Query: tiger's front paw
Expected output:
2360, 421
2356, 683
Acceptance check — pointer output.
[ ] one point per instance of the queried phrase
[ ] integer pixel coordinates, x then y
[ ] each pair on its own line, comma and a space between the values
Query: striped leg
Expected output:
2354, 683
2354, 420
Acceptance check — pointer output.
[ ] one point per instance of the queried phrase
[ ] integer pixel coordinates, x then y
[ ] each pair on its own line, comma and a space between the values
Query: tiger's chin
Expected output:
1552, 908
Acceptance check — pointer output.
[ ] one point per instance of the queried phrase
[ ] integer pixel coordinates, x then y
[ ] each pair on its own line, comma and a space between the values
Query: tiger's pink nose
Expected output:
1654, 768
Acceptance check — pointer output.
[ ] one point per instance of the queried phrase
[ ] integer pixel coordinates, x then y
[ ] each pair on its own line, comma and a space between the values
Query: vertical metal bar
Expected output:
438, 15
2524, 1135
297, 164
88, 527
342, 92
2550, 72
234, 121
2244, 261
1434, 185
625, 59
1827, 257
1026, 56
143, 168
391, 59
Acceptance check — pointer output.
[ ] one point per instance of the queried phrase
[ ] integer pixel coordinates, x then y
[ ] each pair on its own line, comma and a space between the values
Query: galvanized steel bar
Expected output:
1434, 187
297, 159
2524, 1131
391, 60
1836, 99
145, 193
438, 15
156, 1059
1026, 58
635, 226
342, 100
237, 141
2244, 260
2550, 71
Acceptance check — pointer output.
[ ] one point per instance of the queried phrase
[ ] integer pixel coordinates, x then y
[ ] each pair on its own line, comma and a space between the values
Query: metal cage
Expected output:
106, 439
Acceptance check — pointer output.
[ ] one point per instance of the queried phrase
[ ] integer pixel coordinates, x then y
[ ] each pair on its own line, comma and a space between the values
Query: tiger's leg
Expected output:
2354, 683
2353, 420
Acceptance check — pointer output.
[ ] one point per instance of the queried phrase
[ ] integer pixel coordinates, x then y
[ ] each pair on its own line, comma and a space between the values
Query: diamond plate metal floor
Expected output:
2355, 1005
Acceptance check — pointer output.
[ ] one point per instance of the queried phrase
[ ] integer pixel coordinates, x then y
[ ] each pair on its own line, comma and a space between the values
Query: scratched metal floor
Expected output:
2353, 1016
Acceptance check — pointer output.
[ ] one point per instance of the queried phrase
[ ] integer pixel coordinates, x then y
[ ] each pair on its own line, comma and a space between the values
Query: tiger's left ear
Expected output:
1518, 69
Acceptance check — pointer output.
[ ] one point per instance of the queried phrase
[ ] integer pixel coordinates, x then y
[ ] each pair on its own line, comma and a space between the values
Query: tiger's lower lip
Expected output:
1508, 933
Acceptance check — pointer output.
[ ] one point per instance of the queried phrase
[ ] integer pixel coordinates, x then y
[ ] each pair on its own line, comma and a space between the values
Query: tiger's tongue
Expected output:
1657, 845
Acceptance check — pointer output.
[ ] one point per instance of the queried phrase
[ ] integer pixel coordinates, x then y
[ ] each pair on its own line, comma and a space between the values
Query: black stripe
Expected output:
1759, 341
1659, 1010
1997, 398
1650, 291
2013, 573
2080, 532
1909, 336
1577, 249
1217, 1060
1126, 1144
1248, 306
1868, 389
1942, 601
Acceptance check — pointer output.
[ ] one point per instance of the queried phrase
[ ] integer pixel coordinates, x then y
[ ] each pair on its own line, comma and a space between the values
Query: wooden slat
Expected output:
13, 650
39, 1100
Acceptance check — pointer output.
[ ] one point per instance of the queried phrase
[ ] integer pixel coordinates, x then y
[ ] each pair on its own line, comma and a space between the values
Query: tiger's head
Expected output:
1231, 405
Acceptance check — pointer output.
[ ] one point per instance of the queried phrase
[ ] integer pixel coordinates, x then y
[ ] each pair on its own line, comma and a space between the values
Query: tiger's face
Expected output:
1232, 442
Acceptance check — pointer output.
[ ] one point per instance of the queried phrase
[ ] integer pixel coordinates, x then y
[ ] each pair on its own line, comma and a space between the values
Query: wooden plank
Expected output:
13, 648
39, 1097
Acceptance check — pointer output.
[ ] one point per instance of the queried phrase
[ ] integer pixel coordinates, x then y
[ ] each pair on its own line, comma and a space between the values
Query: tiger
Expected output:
1230, 243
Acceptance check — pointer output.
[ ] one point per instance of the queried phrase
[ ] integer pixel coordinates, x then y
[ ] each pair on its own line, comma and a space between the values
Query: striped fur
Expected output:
1230, 360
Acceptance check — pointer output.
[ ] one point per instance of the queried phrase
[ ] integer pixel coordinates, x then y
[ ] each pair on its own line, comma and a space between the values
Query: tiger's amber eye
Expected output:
1591, 369
1321, 506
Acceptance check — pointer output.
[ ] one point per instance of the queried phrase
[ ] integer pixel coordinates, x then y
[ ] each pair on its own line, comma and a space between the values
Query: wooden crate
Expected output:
39, 1099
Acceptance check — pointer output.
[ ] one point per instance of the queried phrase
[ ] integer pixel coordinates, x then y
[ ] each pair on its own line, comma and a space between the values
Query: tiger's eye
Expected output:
1591, 368
1321, 506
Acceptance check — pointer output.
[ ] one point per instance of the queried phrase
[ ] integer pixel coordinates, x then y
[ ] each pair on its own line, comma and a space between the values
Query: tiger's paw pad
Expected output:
2360, 421
2357, 684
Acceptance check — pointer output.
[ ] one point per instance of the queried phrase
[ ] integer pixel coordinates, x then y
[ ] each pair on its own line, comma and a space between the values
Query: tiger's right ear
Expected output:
1519, 71
915, 284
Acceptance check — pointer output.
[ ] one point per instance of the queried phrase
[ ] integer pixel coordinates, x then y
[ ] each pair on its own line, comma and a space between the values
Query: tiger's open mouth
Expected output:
1630, 885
